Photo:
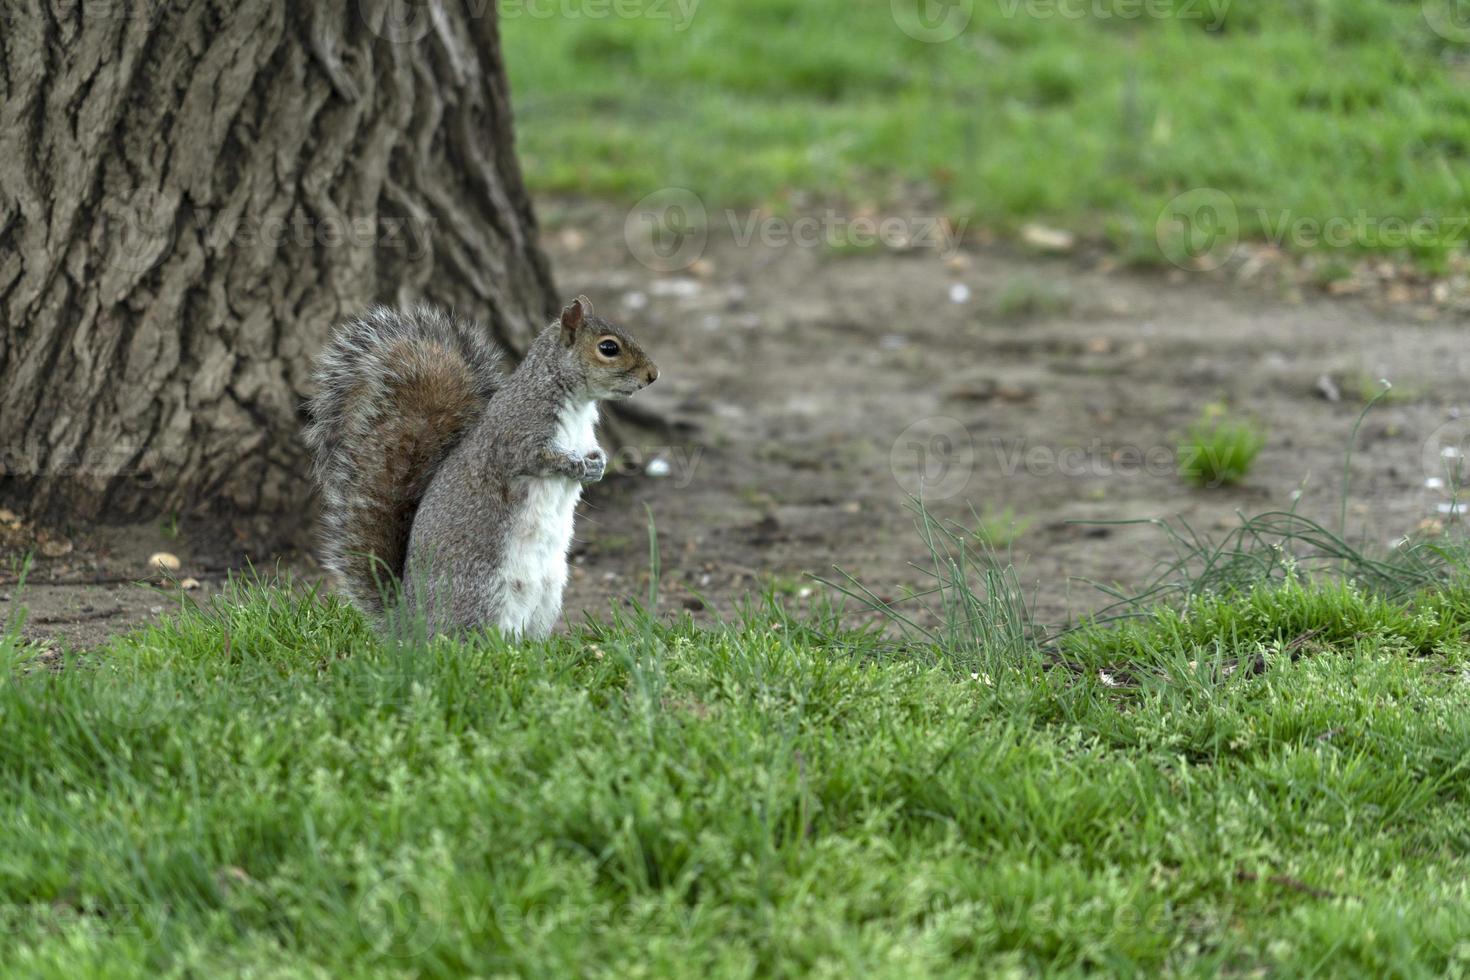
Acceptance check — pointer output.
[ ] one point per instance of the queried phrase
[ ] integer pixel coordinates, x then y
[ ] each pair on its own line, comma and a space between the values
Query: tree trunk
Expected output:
193, 193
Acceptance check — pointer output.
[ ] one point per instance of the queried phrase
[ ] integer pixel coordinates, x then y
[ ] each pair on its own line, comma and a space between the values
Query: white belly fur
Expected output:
535, 570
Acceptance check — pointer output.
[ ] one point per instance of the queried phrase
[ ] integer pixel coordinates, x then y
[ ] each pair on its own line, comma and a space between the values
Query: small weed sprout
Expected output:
1219, 450
999, 529
1028, 296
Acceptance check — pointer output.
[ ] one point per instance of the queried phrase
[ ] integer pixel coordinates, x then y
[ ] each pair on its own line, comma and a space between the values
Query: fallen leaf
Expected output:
162, 561
1048, 239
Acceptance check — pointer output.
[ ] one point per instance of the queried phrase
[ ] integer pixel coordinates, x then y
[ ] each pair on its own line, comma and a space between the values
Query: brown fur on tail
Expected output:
397, 392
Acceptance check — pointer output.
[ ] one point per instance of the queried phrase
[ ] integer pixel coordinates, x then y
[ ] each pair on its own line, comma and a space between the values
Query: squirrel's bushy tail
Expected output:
397, 392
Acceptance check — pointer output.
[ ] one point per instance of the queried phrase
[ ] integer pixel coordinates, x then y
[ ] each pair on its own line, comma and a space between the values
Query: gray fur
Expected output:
458, 550
356, 379
483, 508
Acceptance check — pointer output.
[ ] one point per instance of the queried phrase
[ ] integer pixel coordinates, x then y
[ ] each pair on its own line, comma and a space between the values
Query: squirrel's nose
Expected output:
652, 374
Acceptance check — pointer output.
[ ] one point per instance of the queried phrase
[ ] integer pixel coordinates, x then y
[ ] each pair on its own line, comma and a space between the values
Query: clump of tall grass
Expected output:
1279, 546
982, 612
972, 607
1219, 450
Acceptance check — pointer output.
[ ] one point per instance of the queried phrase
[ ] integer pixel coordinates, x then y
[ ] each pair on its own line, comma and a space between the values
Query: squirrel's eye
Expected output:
608, 348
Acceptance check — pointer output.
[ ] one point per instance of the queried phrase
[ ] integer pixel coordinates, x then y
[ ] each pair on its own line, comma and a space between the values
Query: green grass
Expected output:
1303, 109
1219, 450
1268, 782
1000, 528
1027, 296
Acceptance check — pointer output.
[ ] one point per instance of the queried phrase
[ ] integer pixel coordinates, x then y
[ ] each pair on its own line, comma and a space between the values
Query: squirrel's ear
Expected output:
571, 319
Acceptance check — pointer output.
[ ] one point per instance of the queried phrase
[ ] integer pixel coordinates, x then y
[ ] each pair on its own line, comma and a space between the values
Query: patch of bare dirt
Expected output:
813, 388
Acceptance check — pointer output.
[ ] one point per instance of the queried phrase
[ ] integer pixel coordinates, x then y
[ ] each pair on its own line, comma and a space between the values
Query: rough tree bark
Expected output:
192, 193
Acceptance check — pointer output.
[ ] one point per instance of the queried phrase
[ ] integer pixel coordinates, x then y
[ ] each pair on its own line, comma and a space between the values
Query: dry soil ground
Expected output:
812, 388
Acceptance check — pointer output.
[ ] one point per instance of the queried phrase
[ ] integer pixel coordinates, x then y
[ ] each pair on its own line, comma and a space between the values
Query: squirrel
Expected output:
440, 473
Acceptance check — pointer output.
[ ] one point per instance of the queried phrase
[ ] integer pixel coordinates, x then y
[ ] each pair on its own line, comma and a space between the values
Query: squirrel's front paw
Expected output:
594, 465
